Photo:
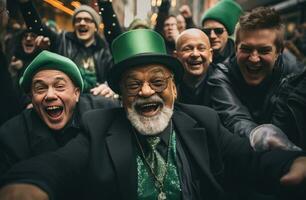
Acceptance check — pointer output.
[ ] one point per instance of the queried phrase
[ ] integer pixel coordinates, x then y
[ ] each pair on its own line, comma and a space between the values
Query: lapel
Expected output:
122, 150
195, 140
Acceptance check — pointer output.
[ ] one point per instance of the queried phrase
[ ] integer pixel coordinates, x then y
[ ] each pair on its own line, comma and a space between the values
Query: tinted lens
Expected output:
158, 85
218, 31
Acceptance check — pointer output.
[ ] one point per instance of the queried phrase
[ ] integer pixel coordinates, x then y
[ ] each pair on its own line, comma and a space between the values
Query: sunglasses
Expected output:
217, 31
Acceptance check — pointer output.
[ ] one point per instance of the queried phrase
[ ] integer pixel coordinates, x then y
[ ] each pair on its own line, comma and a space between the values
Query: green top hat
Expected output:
49, 60
140, 47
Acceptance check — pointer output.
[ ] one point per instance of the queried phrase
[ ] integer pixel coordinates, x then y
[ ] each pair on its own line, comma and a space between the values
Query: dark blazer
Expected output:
107, 153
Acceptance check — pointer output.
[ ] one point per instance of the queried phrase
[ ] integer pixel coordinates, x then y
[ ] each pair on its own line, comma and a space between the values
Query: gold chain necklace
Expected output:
160, 183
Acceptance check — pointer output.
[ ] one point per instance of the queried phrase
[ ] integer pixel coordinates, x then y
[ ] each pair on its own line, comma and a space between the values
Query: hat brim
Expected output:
118, 69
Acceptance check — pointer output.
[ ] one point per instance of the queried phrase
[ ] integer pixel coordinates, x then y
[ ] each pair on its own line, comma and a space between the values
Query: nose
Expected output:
82, 21
146, 90
50, 94
254, 57
195, 52
212, 34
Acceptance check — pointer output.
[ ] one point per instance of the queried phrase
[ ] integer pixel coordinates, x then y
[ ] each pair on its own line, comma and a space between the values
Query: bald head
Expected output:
194, 51
195, 33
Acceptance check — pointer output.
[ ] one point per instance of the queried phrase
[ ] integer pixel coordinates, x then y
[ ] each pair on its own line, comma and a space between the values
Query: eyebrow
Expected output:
256, 47
56, 80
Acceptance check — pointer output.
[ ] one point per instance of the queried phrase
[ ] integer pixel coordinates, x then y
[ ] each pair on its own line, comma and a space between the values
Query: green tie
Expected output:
155, 160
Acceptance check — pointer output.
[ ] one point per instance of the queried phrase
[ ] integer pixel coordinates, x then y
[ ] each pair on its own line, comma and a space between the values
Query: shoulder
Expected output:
196, 111
98, 117
16, 123
219, 70
88, 102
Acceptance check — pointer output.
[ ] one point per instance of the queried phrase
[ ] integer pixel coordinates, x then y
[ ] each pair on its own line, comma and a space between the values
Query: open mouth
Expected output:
253, 69
195, 62
148, 109
54, 111
83, 30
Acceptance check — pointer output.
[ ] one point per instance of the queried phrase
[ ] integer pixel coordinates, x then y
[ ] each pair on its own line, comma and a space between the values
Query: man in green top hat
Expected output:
219, 23
151, 148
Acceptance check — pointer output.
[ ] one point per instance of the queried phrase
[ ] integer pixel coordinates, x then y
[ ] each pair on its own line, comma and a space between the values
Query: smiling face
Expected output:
28, 42
148, 95
256, 54
217, 40
85, 28
193, 50
54, 97
170, 28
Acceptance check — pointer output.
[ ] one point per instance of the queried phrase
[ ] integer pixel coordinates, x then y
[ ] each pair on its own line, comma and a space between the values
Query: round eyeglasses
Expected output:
158, 84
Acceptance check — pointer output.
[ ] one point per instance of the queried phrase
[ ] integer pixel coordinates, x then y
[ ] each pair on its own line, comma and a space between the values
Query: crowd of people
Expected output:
175, 111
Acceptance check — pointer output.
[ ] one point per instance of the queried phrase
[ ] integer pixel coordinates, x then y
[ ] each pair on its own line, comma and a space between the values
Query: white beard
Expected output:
150, 125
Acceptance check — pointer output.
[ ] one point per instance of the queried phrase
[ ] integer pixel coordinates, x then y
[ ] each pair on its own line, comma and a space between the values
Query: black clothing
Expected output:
107, 152
112, 28
226, 54
289, 113
242, 107
26, 135
199, 95
9, 99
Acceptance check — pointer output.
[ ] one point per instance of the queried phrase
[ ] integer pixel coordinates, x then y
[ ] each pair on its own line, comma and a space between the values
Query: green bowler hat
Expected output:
49, 60
139, 47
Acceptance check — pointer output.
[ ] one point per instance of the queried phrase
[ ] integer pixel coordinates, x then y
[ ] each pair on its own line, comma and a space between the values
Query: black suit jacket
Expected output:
106, 151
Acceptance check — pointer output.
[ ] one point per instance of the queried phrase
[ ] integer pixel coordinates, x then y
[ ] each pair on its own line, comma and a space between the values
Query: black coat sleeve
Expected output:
34, 23
112, 27
233, 114
56, 172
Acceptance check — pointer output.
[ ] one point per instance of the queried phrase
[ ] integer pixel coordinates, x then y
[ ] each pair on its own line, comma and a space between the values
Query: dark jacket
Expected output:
242, 107
97, 57
289, 114
26, 135
226, 54
108, 153
198, 95
9, 98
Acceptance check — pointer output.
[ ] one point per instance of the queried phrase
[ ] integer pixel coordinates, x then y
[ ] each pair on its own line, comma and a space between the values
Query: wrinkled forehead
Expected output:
147, 70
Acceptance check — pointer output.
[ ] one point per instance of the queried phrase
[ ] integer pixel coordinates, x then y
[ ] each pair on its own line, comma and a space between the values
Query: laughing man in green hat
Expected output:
54, 84
151, 148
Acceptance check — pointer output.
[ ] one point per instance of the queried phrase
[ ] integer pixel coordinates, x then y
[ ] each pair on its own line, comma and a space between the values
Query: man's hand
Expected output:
16, 64
42, 42
296, 174
185, 11
102, 90
20, 191
268, 136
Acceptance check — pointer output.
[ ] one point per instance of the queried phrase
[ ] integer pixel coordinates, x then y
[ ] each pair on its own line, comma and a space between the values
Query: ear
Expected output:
174, 90
77, 93
174, 54
211, 55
